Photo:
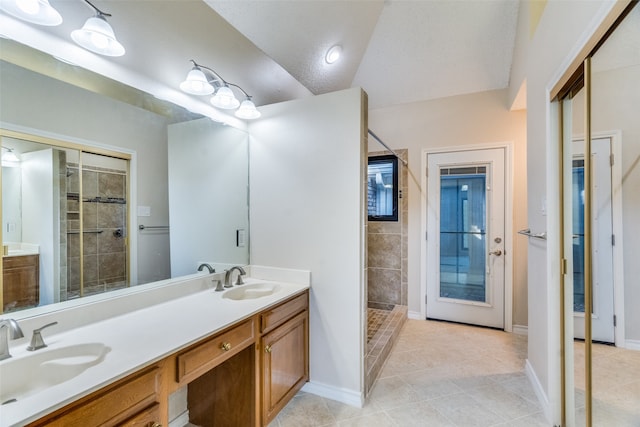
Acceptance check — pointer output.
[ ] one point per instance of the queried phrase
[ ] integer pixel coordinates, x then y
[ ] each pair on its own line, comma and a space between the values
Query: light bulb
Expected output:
99, 40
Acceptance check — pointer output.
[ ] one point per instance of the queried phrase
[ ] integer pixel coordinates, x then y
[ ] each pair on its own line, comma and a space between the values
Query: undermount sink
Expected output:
252, 291
30, 374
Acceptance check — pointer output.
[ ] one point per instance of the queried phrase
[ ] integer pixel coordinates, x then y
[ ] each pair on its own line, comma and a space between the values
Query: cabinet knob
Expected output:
154, 424
225, 346
267, 348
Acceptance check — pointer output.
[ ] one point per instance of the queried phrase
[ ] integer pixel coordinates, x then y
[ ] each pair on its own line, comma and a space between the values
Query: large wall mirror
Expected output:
86, 203
601, 209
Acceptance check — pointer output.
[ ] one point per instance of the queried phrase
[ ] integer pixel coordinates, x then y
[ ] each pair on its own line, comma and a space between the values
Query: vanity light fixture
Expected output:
333, 54
97, 35
199, 83
35, 11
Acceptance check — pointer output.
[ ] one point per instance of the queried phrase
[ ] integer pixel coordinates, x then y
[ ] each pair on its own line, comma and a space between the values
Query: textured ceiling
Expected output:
399, 51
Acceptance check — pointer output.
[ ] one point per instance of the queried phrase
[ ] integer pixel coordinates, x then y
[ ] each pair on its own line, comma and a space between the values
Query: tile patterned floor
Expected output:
375, 319
438, 374
616, 385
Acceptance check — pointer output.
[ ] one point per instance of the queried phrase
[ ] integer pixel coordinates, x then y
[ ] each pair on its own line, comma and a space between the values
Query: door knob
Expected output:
497, 252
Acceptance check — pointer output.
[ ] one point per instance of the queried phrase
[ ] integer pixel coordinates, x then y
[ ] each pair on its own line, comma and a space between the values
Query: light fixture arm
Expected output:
218, 78
241, 90
98, 11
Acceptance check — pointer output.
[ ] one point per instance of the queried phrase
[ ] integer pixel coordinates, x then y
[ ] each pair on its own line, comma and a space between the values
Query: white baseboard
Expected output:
537, 388
520, 330
632, 345
348, 397
415, 315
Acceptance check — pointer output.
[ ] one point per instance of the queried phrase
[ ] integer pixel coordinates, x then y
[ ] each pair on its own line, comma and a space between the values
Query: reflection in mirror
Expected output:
615, 133
605, 370
64, 216
102, 247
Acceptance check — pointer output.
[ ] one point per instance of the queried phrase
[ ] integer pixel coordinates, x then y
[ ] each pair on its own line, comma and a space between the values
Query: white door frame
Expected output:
508, 224
616, 218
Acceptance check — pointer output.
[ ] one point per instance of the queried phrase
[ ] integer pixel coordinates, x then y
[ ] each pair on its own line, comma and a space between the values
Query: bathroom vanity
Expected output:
20, 276
241, 373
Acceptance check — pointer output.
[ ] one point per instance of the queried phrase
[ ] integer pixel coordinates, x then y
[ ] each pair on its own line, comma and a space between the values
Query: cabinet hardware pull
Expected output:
154, 425
267, 348
225, 346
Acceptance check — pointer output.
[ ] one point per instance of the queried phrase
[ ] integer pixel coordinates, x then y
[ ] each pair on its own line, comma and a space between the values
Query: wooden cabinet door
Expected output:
285, 364
20, 282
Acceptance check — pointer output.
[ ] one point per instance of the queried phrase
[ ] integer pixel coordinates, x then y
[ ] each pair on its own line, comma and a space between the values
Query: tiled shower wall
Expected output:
104, 213
387, 250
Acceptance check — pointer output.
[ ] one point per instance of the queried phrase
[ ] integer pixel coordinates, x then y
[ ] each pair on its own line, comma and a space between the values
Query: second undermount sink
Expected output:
30, 374
252, 291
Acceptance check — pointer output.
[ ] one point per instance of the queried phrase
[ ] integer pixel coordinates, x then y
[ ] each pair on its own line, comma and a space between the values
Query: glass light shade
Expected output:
225, 99
97, 36
247, 110
35, 11
196, 83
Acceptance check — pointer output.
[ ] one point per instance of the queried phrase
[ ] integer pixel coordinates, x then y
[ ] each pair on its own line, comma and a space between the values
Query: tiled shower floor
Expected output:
375, 319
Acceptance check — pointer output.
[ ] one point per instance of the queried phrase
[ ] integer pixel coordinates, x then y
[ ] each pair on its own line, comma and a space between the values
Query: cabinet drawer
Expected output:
149, 417
196, 361
112, 406
280, 314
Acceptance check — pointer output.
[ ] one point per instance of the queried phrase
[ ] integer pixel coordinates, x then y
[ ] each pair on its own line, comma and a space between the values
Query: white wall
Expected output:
208, 190
52, 106
41, 218
479, 118
307, 212
12, 212
563, 29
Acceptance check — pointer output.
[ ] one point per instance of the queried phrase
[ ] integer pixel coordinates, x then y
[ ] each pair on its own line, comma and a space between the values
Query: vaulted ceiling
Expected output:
399, 51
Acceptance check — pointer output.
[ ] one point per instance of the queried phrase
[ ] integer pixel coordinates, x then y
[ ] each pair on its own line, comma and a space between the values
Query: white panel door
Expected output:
465, 236
602, 241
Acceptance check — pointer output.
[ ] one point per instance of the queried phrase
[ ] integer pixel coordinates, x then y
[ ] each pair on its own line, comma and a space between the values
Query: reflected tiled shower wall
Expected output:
104, 213
387, 250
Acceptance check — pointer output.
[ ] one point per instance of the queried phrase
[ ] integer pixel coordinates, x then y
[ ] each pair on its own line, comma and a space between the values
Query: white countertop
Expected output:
138, 339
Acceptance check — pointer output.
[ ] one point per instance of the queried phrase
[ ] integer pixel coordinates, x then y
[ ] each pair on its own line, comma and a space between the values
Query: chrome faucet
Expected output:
9, 329
36, 339
227, 276
208, 267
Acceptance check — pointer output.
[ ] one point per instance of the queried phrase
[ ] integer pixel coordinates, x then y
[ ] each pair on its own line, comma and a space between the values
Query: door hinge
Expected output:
426, 235
613, 240
615, 321
611, 160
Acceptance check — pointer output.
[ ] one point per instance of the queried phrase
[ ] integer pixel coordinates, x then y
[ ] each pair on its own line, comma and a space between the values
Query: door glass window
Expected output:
577, 195
462, 233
